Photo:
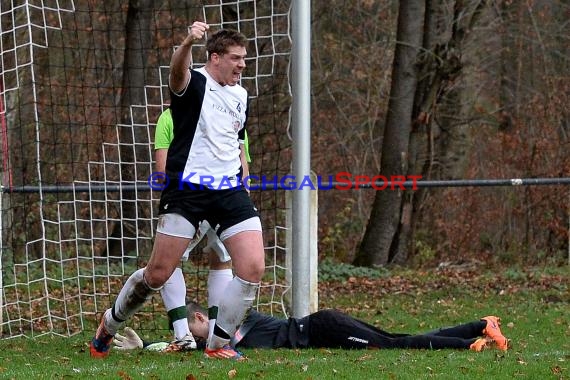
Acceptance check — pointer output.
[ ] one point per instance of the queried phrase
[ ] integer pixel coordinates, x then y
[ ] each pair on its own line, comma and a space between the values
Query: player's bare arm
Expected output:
160, 158
244, 164
182, 57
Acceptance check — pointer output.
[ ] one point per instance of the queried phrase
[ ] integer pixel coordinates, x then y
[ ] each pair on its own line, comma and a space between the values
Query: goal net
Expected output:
81, 87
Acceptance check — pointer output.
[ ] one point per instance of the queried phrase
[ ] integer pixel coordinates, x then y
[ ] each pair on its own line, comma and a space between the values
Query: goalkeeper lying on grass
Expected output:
331, 329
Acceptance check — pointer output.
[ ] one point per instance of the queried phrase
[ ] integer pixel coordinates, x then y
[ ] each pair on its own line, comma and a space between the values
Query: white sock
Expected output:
174, 297
111, 324
181, 329
131, 298
237, 298
218, 280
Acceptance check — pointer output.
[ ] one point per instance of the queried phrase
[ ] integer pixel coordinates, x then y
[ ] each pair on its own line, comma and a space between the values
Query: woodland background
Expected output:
446, 89
479, 91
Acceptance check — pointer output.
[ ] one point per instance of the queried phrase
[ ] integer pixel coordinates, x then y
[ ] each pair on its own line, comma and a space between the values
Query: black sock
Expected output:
220, 333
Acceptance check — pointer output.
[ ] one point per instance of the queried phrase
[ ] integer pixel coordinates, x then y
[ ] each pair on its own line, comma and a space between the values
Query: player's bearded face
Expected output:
231, 65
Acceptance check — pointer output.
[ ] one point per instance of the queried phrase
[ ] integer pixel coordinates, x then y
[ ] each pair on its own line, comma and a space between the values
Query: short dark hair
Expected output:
191, 308
220, 41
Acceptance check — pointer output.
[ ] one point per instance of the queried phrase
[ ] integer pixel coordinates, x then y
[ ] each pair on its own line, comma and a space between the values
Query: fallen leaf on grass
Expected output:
364, 357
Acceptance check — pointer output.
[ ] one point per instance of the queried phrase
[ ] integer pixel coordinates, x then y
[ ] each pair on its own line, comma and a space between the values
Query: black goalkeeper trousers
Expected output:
334, 329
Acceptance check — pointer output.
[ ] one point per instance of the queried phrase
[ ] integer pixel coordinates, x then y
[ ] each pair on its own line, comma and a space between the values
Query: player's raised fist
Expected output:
197, 30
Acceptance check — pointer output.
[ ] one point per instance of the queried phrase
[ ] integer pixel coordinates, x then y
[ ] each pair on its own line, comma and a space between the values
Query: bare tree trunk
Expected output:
420, 157
139, 42
384, 224
427, 59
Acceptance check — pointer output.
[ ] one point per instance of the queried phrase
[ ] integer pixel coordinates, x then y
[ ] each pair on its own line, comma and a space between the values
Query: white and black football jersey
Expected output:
209, 124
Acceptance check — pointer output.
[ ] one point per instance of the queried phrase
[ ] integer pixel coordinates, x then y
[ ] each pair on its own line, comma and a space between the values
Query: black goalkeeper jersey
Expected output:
264, 331
334, 329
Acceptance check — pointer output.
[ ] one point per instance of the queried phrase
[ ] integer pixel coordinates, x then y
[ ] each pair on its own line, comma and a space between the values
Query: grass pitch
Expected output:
534, 305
